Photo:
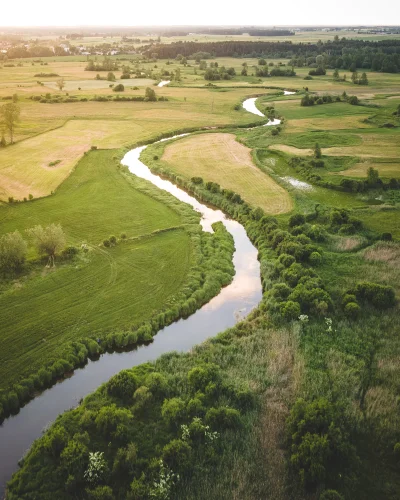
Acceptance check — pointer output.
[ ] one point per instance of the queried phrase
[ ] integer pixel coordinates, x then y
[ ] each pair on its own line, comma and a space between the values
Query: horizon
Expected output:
175, 13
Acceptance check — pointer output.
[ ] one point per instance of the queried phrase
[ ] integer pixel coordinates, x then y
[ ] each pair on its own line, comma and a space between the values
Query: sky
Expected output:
204, 12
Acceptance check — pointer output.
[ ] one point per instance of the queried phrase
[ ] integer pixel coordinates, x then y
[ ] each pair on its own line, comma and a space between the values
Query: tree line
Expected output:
343, 54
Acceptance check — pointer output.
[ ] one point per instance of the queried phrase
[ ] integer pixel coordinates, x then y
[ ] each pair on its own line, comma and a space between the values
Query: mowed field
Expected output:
105, 289
220, 158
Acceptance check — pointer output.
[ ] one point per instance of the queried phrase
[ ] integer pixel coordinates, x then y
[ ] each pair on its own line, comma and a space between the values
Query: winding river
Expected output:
233, 303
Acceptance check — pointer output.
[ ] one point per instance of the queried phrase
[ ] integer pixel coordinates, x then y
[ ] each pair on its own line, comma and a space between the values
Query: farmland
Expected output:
295, 401
198, 155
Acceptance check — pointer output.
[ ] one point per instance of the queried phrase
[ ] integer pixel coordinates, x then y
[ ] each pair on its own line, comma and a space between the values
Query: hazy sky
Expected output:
177, 12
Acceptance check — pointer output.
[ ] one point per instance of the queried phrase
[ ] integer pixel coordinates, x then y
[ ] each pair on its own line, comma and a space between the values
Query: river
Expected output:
233, 303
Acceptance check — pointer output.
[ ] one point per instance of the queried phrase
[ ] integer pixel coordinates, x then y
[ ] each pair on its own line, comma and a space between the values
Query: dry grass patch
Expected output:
347, 244
388, 252
218, 157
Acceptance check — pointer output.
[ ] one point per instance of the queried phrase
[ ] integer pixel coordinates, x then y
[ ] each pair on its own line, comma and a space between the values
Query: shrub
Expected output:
280, 291
297, 220
70, 251
176, 454
173, 411
290, 310
107, 243
197, 180
315, 258
13, 251
381, 296
123, 385
119, 88
200, 376
112, 240
319, 442
223, 418
352, 310
286, 260
386, 237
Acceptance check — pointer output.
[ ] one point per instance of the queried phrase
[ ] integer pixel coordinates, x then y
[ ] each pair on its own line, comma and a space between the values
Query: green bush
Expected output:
381, 296
315, 258
119, 88
297, 220
290, 310
352, 310
223, 418
123, 385
176, 454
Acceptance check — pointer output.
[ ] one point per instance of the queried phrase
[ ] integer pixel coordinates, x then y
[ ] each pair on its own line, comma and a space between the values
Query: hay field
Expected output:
220, 158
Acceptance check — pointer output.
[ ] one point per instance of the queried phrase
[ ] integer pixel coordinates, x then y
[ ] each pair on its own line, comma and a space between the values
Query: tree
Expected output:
317, 151
336, 74
354, 77
49, 240
3, 143
60, 83
150, 95
10, 116
110, 77
12, 251
363, 80
372, 176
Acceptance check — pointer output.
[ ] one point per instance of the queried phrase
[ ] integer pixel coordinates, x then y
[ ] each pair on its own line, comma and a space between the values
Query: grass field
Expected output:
220, 158
24, 167
108, 288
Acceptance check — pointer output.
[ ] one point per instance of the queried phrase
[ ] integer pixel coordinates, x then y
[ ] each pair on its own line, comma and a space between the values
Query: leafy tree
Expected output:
363, 80
262, 62
317, 151
10, 116
150, 94
60, 83
336, 74
372, 176
3, 142
176, 454
49, 240
110, 76
13, 250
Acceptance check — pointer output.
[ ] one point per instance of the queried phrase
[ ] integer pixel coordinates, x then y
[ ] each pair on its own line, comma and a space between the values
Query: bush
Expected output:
112, 240
107, 243
197, 180
223, 418
173, 411
352, 310
286, 260
176, 454
123, 385
290, 310
315, 258
381, 296
297, 220
386, 237
200, 376
119, 88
